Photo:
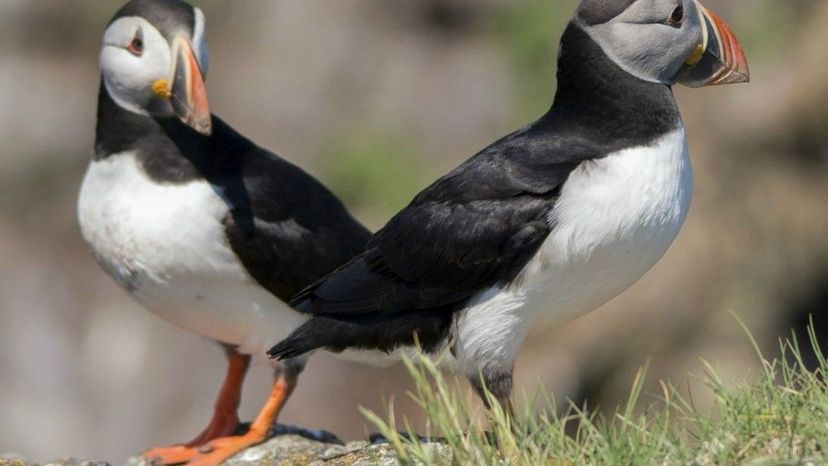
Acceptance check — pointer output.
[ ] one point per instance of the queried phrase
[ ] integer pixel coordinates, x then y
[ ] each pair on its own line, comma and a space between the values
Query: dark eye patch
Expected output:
677, 16
136, 46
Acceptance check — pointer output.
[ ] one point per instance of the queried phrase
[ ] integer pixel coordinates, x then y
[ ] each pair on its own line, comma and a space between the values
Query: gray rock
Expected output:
15, 460
11, 460
288, 450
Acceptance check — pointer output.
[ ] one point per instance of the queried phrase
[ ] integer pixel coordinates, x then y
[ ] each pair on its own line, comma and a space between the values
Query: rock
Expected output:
290, 449
298, 450
76, 462
14, 460
11, 460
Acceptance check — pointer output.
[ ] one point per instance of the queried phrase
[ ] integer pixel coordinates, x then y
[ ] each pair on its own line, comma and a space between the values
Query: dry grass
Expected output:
781, 418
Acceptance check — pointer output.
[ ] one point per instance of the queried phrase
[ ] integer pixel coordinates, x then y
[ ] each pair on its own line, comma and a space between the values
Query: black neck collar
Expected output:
168, 149
595, 95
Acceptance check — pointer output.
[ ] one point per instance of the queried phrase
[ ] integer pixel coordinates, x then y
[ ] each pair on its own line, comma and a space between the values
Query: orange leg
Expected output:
220, 449
225, 419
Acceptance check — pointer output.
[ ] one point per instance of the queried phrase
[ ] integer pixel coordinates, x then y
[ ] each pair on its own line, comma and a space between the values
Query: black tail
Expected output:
377, 331
296, 344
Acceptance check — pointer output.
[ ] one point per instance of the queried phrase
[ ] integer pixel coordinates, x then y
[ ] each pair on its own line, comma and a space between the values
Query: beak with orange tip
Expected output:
187, 94
719, 59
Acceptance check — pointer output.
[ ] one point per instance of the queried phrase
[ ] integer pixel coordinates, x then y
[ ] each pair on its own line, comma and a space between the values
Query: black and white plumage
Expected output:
549, 222
203, 227
206, 229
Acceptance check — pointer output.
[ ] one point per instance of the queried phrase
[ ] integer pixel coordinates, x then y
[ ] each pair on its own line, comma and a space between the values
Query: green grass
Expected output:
779, 419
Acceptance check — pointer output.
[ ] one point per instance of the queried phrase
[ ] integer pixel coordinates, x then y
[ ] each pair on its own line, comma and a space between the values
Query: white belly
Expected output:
614, 220
166, 244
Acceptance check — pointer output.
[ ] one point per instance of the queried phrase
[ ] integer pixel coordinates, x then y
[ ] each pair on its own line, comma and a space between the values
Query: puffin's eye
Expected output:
136, 47
678, 16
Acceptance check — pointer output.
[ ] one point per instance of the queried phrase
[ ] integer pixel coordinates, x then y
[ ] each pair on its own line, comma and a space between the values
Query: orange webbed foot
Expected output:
215, 452
176, 454
218, 450
221, 426
225, 419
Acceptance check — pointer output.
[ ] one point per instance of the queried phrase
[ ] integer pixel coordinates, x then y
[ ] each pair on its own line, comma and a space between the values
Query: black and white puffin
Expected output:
203, 227
548, 222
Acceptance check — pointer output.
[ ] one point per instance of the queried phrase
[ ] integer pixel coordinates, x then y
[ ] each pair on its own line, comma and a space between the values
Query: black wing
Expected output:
287, 229
434, 254
474, 228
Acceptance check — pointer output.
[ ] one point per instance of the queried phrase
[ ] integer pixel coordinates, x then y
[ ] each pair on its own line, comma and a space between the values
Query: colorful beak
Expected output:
188, 95
719, 59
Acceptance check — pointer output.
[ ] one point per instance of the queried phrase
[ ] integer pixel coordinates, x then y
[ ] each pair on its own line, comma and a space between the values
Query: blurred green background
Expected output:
377, 98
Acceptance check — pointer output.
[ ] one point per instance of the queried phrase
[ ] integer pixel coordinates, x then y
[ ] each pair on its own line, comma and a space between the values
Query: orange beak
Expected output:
188, 93
719, 59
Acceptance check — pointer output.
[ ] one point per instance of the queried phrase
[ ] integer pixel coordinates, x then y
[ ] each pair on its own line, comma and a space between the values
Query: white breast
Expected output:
614, 219
166, 244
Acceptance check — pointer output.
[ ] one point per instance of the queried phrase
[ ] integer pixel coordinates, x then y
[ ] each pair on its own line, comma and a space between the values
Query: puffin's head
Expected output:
154, 59
665, 41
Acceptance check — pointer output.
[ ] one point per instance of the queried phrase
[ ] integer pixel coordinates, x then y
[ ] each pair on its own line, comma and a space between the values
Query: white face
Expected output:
651, 39
135, 56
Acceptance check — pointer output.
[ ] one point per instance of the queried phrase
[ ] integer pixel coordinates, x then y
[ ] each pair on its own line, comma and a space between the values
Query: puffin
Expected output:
200, 225
548, 222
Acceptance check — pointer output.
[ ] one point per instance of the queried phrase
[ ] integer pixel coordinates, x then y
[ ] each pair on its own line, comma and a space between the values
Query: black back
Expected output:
477, 227
286, 228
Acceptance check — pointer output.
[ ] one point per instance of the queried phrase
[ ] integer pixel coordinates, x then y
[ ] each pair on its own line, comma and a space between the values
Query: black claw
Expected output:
322, 436
204, 449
